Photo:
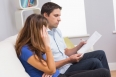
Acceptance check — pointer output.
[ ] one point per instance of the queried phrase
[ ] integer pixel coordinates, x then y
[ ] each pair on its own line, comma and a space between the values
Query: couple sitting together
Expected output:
41, 49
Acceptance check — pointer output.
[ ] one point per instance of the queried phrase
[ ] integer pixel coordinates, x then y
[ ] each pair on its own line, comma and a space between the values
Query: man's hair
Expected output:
49, 7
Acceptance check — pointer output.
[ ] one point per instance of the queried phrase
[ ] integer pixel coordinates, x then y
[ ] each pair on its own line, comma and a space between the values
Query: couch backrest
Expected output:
10, 65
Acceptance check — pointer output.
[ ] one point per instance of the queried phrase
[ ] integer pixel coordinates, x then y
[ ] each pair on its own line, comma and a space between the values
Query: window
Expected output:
114, 5
73, 22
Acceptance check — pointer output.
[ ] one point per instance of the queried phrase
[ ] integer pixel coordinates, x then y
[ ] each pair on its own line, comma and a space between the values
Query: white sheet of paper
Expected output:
90, 42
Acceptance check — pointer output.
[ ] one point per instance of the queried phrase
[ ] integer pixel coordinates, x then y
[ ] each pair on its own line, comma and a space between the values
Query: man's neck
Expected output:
50, 28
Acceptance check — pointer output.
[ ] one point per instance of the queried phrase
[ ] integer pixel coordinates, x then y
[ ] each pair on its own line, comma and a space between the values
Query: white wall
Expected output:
7, 18
100, 17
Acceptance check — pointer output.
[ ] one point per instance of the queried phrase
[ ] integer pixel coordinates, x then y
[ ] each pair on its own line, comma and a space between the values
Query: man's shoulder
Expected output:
58, 30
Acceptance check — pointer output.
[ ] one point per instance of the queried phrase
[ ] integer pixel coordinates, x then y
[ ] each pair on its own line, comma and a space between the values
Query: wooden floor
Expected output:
113, 73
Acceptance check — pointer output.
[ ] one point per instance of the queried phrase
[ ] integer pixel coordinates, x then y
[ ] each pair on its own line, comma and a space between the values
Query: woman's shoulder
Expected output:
26, 52
25, 48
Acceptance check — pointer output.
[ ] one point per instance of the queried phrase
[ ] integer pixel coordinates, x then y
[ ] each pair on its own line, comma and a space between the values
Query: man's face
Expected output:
54, 18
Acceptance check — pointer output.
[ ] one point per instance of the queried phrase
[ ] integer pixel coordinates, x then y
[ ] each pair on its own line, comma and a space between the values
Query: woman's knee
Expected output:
105, 72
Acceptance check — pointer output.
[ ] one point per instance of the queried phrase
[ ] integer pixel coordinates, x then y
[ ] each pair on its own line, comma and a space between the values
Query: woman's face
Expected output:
44, 28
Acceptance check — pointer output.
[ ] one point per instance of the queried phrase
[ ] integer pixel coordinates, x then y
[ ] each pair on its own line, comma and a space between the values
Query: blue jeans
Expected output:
90, 61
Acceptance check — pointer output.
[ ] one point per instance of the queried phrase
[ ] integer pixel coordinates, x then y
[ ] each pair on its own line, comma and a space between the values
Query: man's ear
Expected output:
45, 15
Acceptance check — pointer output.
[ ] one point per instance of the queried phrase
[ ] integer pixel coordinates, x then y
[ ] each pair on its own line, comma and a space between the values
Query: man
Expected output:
68, 60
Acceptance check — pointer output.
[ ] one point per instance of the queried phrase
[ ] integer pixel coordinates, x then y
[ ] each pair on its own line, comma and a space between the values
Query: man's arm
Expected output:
74, 50
71, 59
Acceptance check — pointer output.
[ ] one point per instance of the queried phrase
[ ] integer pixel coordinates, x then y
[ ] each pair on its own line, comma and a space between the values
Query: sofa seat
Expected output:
10, 65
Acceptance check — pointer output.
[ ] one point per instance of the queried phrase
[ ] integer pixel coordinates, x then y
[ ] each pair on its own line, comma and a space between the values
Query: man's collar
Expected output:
48, 30
51, 30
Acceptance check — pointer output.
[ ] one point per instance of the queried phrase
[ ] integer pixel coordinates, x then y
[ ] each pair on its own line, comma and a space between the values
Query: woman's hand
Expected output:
45, 37
46, 75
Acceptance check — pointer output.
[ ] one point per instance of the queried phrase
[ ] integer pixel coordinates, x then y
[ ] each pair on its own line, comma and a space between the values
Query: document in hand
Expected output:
90, 42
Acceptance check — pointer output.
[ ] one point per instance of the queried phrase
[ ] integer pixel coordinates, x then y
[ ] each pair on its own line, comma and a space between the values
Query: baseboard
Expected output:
112, 66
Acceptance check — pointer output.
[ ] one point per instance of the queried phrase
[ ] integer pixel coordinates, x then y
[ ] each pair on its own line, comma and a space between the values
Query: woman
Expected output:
33, 49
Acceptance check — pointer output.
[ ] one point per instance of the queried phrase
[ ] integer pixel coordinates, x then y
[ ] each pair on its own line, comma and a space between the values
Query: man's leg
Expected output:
87, 64
100, 55
90, 61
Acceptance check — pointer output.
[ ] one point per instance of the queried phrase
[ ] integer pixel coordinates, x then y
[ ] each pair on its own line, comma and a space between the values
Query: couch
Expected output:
10, 65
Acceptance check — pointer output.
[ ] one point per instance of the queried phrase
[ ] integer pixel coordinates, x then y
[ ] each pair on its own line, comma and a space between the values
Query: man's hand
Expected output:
75, 58
82, 42
46, 75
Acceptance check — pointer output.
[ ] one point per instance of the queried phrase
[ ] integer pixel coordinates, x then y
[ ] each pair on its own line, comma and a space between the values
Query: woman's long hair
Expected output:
30, 35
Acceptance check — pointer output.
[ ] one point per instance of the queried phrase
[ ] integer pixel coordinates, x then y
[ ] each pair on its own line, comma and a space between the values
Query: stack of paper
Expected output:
90, 42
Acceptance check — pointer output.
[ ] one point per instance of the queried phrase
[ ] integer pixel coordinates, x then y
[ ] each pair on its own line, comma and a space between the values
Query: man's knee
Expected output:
100, 52
96, 62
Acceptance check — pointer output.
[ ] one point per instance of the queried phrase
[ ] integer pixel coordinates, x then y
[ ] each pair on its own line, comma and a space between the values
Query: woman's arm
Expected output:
46, 75
48, 66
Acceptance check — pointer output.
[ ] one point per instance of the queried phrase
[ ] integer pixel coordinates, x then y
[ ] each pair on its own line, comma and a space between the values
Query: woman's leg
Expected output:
102, 72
